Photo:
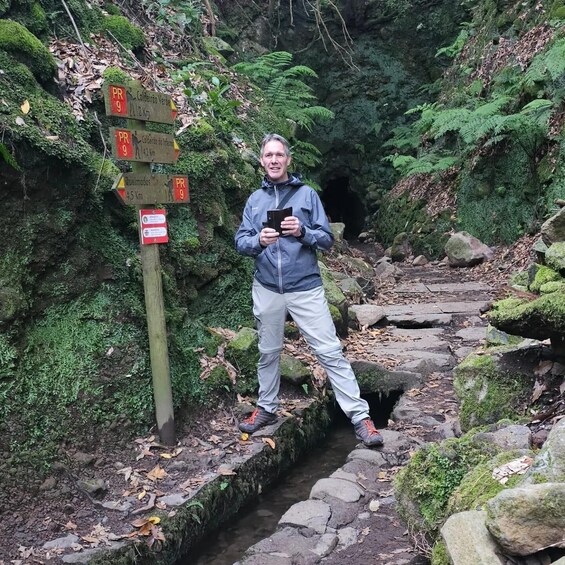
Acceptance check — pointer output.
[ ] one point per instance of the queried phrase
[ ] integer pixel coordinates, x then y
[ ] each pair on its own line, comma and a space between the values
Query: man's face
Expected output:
275, 161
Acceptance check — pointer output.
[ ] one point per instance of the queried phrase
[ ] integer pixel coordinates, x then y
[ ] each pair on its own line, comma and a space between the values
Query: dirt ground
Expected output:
86, 492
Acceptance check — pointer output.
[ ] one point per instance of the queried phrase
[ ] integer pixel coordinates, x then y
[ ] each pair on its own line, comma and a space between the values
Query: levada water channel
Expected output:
260, 517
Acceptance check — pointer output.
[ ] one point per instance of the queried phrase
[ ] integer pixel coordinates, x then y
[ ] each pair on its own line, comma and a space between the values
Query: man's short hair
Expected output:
275, 137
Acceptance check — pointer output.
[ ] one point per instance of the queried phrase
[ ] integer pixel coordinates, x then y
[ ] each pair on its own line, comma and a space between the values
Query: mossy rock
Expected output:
494, 385
219, 380
400, 248
552, 286
424, 486
537, 319
478, 486
555, 256
128, 34
26, 48
291, 331
519, 280
543, 275
293, 370
243, 353
496, 338
336, 299
217, 46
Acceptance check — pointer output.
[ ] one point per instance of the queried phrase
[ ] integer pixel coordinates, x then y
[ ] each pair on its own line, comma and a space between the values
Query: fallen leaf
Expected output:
244, 436
25, 107
20, 121
269, 442
156, 473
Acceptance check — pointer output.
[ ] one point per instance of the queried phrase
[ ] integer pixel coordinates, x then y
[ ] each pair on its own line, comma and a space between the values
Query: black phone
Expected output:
276, 216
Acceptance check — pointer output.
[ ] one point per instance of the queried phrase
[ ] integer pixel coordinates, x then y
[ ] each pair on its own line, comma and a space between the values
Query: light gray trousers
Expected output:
309, 309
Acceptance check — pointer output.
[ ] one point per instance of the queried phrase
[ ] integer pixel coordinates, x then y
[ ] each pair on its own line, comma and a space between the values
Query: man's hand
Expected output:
268, 236
291, 226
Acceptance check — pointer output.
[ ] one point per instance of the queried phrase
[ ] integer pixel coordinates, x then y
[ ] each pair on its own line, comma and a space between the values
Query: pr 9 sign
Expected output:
118, 100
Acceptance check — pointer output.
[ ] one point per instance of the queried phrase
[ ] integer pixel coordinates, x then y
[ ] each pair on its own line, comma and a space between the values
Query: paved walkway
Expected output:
350, 516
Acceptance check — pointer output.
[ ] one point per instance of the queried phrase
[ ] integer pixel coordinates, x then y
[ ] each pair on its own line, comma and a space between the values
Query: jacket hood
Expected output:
293, 181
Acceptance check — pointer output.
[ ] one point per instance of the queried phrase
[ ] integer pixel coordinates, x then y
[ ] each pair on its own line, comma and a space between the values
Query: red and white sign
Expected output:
153, 227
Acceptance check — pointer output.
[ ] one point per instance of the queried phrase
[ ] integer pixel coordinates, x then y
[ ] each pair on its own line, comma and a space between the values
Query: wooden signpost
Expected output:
142, 188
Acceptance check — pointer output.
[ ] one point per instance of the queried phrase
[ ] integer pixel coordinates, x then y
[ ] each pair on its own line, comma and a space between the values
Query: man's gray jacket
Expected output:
290, 264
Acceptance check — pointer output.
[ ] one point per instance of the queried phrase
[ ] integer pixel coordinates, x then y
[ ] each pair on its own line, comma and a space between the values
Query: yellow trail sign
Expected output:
143, 146
139, 104
148, 188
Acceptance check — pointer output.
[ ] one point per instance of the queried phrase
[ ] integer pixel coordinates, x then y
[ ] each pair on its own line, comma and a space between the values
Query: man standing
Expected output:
287, 279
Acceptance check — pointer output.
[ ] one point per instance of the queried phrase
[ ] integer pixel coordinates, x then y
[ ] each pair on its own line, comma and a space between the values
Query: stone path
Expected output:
350, 516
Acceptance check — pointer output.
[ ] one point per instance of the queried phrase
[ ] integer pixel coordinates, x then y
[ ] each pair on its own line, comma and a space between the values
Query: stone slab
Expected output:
472, 334
434, 308
411, 288
338, 488
420, 320
459, 287
307, 514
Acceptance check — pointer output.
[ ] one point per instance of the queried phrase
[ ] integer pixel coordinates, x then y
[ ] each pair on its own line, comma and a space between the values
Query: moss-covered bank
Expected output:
220, 499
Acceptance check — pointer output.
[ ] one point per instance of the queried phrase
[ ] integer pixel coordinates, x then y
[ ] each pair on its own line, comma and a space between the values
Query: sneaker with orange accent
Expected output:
259, 419
365, 431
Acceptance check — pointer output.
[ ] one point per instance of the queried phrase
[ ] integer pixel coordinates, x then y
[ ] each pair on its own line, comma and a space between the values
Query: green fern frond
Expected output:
493, 106
555, 60
449, 120
9, 158
284, 88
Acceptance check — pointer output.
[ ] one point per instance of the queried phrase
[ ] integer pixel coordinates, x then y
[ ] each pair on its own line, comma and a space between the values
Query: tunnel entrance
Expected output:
344, 205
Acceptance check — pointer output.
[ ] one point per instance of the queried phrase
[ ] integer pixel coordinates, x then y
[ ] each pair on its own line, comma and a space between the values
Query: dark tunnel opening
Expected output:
343, 205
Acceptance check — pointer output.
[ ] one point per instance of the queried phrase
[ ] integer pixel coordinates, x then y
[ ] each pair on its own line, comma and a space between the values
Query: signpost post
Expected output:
142, 187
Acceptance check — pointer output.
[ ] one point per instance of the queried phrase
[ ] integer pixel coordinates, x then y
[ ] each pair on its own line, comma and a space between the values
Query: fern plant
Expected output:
284, 88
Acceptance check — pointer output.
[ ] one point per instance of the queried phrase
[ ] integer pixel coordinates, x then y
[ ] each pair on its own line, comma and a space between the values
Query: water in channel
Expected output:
259, 519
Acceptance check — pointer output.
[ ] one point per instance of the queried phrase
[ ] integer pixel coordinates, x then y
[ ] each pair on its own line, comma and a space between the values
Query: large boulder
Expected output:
468, 541
540, 318
553, 230
495, 384
528, 519
464, 250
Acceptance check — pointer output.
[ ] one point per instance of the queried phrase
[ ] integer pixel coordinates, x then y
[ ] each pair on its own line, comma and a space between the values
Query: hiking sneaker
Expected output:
259, 419
365, 431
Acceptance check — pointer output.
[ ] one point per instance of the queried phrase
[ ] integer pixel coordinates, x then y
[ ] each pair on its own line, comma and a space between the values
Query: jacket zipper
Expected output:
279, 256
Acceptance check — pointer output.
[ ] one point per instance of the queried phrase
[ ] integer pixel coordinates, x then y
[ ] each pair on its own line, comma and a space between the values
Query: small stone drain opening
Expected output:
259, 519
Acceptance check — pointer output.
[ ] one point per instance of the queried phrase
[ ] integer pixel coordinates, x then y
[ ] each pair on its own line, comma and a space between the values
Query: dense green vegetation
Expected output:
496, 123
74, 360
73, 343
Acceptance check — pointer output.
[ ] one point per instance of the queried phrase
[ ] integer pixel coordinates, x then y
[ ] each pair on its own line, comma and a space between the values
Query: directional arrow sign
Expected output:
143, 146
138, 188
139, 104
